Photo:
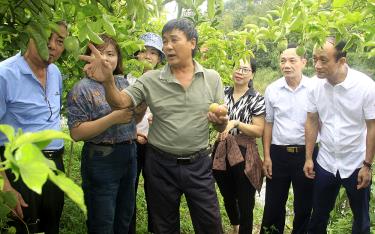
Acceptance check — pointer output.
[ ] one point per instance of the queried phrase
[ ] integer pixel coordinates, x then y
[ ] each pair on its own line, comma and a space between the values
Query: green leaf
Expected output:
370, 43
42, 136
8, 131
297, 22
82, 33
263, 47
339, 3
371, 53
50, 3
40, 41
9, 199
251, 26
211, 8
1, 182
93, 36
73, 191
32, 167
281, 46
300, 50
42, 144
4, 211
108, 26
12, 230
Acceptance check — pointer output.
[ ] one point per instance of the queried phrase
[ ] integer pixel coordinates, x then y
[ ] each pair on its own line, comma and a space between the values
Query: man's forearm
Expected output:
370, 141
115, 98
267, 137
311, 133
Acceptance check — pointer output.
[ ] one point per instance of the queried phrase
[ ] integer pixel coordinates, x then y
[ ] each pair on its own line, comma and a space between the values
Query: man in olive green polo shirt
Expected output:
177, 161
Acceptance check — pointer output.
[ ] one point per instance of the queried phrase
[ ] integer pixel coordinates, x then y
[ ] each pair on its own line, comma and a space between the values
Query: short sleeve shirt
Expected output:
343, 109
249, 105
180, 124
86, 102
286, 110
25, 103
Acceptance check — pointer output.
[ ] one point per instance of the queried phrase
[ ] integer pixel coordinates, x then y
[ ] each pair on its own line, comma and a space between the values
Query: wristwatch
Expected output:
367, 164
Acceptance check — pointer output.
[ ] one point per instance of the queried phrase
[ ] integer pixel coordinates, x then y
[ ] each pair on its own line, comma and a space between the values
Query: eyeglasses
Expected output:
243, 70
49, 107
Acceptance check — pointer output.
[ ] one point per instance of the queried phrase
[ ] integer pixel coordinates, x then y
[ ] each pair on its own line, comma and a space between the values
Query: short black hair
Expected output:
184, 25
253, 65
340, 52
339, 47
292, 46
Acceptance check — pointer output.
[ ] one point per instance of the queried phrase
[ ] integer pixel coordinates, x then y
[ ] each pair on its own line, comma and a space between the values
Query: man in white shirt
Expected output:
344, 102
284, 146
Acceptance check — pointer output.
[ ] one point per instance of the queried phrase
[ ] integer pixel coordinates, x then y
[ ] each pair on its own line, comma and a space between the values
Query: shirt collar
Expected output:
167, 75
24, 66
250, 92
348, 82
303, 83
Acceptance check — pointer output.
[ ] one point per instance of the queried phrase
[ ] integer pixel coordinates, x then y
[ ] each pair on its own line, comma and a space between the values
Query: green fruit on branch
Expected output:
71, 44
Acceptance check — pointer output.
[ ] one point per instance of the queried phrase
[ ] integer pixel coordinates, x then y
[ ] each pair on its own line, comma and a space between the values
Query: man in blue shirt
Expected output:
30, 99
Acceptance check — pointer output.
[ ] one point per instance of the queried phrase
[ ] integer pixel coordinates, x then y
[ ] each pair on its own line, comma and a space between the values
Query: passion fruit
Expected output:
71, 44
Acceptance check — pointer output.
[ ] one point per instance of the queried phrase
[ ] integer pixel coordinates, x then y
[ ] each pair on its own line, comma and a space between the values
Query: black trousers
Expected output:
239, 196
287, 168
141, 154
168, 180
44, 211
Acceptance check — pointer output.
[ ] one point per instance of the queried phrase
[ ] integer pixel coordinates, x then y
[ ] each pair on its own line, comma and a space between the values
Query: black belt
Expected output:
51, 154
294, 149
181, 159
128, 142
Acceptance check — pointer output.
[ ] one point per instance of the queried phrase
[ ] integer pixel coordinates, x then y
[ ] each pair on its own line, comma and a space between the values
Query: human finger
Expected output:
311, 173
94, 51
142, 135
360, 181
269, 171
223, 135
20, 203
265, 170
86, 58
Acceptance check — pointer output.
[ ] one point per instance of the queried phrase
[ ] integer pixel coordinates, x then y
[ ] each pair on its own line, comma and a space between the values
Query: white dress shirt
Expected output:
286, 110
342, 110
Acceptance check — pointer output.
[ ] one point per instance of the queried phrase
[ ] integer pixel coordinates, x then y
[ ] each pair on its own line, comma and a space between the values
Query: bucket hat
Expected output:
153, 40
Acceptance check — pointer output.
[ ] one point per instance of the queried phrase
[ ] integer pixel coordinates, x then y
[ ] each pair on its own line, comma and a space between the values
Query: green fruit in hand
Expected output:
71, 44
301, 51
282, 44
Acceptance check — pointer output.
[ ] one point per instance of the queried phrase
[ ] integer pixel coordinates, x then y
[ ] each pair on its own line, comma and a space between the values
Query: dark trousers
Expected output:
238, 194
168, 180
141, 152
326, 189
287, 168
108, 179
44, 211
